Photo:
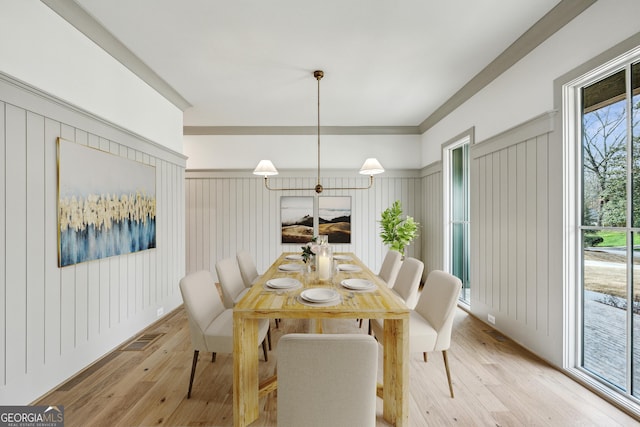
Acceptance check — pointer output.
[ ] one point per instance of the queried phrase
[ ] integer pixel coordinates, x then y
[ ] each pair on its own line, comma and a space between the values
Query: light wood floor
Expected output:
496, 383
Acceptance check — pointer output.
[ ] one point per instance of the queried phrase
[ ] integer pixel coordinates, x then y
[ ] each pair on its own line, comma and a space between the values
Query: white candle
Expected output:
324, 267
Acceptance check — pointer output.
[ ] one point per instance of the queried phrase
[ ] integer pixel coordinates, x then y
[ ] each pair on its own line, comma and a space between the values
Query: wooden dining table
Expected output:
261, 301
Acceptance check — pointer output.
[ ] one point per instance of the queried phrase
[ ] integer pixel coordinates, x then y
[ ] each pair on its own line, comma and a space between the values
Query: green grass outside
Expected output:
615, 239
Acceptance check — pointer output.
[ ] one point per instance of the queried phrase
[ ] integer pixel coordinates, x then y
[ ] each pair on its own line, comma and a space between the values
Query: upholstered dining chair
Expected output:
248, 268
327, 380
390, 267
408, 281
431, 322
210, 324
230, 277
233, 288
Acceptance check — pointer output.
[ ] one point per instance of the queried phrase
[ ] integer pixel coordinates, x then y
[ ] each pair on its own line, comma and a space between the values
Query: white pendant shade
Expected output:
371, 166
265, 168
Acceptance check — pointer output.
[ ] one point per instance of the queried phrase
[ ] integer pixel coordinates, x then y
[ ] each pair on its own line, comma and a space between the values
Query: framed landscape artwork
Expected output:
106, 204
296, 218
334, 218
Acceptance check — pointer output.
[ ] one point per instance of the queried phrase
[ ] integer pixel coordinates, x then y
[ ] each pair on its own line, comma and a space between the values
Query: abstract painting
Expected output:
106, 204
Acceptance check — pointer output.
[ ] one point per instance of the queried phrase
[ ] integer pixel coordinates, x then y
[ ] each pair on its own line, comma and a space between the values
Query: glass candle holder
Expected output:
324, 262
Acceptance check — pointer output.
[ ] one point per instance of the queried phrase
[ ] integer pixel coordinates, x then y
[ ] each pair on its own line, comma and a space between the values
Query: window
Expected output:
608, 226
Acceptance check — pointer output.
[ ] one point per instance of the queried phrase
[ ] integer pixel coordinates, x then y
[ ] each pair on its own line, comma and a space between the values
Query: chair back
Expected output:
408, 280
437, 304
390, 267
230, 280
327, 380
202, 303
248, 268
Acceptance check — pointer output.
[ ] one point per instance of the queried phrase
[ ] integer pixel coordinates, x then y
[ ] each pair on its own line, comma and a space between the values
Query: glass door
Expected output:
610, 229
458, 215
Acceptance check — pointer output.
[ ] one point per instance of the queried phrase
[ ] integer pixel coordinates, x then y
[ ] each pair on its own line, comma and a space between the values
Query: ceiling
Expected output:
250, 62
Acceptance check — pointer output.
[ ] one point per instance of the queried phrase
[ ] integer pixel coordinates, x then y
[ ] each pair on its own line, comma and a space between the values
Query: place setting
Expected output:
319, 297
359, 285
282, 284
290, 268
350, 268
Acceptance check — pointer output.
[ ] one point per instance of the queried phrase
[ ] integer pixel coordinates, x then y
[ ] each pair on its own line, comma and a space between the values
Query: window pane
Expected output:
604, 154
635, 141
459, 196
635, 369
458, 185
605, 308
635, 131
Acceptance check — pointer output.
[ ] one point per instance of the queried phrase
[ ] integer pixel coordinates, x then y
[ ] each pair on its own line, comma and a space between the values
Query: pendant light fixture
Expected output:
370, 167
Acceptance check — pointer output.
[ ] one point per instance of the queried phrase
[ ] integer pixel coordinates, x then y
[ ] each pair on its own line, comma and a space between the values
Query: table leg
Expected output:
396, 372
245, 370
318, 326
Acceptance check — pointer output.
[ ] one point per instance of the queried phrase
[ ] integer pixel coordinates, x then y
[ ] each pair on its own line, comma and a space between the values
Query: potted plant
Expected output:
397, 231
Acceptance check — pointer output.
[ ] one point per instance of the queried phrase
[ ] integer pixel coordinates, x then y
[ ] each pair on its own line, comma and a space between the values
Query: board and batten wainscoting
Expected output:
228, 211
56, 321
432, 220
516, 228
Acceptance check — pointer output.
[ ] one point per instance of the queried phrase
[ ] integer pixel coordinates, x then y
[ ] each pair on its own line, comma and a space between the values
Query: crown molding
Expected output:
74, 14
549, 24
563, 13
300, 130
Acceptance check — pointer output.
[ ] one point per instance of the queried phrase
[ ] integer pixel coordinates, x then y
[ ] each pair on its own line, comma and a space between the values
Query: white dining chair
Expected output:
232, 285
327, 380
408, 281
390, 267
248, 268
431, 322
230, 277
210, 324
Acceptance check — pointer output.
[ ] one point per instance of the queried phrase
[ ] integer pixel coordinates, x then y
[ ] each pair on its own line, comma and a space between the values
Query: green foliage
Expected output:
397, 232
307, 250
591, 240
609, 239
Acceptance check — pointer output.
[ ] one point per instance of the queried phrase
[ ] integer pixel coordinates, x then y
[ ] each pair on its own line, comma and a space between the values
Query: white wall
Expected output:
56, 321
526, 89
300, 151
516, 169
228, 211
39, 47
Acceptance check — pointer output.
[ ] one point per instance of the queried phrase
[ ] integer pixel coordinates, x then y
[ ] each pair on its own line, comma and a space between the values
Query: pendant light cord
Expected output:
319, 77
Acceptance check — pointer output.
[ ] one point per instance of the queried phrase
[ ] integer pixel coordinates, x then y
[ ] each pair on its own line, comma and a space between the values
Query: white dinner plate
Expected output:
290, 267
358, 284
319, 295
294, 257
283, 283
348, 267
342, 257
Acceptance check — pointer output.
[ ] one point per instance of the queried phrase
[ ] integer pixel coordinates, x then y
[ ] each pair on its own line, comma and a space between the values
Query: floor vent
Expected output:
496, 335
141, 343
69, 385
